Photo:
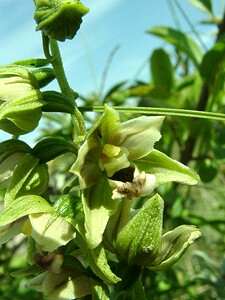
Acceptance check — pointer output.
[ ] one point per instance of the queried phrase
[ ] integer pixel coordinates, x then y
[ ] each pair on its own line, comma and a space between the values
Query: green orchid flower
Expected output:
112, 146
118, 160
33, 216
142, 241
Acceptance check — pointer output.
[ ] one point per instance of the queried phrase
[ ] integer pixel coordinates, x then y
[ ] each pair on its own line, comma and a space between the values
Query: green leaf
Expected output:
99, 291
98, 207
174, 245
212, 62
24, 206
99, 265
180, 40
207, 170
203, 5
161, 69
140, 239
166, 169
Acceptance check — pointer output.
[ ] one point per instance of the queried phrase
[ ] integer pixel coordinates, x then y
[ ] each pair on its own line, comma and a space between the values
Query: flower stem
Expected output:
57, 64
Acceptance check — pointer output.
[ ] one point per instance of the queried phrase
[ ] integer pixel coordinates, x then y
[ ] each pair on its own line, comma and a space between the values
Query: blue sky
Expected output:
109, 24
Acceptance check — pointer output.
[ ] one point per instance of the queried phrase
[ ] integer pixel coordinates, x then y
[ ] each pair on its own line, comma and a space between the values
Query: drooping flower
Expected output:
20, 100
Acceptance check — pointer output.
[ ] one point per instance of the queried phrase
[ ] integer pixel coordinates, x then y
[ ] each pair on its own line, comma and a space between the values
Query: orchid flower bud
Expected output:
59, 19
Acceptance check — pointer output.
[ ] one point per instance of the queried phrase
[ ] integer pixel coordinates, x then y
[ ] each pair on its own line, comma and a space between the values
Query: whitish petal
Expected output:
139, 135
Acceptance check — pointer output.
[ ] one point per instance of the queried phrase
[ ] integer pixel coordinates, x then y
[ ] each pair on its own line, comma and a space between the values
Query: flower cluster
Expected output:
116, 164
88, 238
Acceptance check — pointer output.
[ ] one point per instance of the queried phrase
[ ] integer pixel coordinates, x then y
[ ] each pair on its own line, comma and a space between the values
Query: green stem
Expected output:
59, 70
57, 64
161, 111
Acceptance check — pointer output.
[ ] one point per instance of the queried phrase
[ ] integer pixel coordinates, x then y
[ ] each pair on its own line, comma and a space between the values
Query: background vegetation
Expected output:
184, 74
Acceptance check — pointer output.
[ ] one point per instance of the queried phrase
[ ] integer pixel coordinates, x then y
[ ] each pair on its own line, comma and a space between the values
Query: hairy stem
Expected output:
77, 119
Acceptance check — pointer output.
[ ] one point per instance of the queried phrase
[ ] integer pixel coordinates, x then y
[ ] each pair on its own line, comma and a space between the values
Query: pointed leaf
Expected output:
180, 40
212, 61
203, 5
161, 69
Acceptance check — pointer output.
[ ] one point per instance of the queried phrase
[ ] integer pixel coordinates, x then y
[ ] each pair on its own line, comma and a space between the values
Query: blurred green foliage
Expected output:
181, 76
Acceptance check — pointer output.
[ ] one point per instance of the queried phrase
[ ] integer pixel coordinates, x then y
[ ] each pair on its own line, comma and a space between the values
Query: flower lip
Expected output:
141, 184
124, 175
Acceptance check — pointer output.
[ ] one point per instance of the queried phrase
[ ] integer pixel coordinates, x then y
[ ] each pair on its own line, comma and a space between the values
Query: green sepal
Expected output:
30, 270
86, 167
52, 147
140, 239
99, 265
44, 76
98, 207
61, 286
29, 177
166, 169
24, 206
11, 152
57, 102
50, 230
59, 19
99, 290
174, 245
15, 82
33, 62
